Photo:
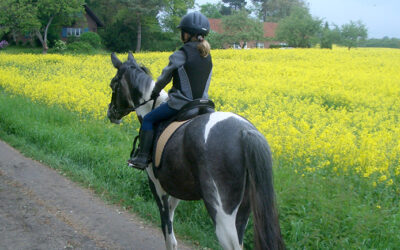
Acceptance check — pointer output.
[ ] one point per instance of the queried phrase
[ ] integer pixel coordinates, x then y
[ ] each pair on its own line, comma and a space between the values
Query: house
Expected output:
90, 23
269, 32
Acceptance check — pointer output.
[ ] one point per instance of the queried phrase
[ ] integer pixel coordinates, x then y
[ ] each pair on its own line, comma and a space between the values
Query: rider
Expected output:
190, 68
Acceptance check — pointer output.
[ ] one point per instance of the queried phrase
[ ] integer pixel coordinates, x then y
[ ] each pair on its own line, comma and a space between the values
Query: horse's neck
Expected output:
145, 109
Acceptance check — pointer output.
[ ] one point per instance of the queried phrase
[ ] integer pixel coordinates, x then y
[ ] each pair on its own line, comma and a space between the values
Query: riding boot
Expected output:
143, 158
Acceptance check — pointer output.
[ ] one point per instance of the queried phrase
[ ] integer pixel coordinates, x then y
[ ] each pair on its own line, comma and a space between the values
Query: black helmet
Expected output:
195, 23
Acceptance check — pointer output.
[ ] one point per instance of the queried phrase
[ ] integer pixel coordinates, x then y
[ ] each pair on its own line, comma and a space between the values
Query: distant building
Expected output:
90, 23
269, 32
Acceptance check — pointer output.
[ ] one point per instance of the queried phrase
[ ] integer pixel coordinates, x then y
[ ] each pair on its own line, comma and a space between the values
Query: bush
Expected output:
60, 45
80, 47
92, 38
3, 44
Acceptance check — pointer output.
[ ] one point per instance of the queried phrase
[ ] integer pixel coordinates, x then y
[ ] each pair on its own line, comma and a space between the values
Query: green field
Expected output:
315, 212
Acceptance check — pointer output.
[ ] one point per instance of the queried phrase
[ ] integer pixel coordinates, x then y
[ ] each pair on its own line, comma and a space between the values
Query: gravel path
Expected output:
40, 209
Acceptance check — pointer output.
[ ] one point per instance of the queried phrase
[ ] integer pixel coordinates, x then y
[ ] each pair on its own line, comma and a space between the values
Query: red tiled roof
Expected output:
269, 28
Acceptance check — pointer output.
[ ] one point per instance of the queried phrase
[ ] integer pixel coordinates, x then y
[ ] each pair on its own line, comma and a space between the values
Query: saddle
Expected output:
164, 130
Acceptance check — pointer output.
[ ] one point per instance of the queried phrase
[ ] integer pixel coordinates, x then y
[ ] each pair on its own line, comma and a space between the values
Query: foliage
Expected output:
140, 13
215, 40
240, 28
275, 10
298, 29
211, 10
335, 142
3, 44
385, 42
18, 16
48, 11
92, 38
80, 47
353, 33
60, 45
173, 11
326, 37
236, 4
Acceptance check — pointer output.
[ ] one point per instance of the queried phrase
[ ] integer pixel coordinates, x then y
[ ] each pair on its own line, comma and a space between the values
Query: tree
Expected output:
17, 17
275, 10
298, 29
211, 10
352, 33
140, 12
235, 4
240, 28
48, 10
173, 11
326, 37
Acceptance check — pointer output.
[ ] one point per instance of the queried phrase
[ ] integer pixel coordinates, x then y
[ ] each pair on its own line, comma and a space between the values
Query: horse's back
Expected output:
206, 148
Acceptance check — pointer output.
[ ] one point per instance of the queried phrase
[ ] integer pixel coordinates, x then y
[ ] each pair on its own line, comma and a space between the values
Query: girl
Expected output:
190, 69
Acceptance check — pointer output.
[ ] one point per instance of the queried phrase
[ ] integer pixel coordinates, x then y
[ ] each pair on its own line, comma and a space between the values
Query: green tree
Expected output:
173, 11
275, 10
211, 10
17, 17
235, 4
48, 10
326, 37
240, 28
352, 33
298, 29
141, 12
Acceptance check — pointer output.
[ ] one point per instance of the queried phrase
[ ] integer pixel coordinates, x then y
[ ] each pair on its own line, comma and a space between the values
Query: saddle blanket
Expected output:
163, 139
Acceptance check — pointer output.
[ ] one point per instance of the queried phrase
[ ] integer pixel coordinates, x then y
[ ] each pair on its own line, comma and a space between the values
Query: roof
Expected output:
93, 16
268, 27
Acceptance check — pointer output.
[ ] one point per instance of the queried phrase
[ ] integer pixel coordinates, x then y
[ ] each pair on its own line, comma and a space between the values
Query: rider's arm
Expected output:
176, 60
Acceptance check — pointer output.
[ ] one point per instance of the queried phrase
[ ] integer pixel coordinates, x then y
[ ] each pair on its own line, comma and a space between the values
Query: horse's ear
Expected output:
130, 57
115, 61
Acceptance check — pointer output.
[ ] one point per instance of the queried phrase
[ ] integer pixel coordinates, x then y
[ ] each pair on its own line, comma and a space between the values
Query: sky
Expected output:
382, 17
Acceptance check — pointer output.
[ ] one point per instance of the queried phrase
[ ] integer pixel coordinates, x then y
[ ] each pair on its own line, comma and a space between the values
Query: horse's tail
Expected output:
258, 160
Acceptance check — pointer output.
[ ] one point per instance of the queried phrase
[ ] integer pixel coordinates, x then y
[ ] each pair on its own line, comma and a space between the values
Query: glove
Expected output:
154, 94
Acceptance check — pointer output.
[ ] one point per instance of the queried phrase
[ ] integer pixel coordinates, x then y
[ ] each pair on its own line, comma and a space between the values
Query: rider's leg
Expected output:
159, 114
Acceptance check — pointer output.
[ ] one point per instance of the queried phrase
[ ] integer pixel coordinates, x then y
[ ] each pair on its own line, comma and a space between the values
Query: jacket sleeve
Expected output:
176, 60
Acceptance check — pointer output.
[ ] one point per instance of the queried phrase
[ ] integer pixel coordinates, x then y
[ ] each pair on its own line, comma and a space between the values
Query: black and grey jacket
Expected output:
191, 75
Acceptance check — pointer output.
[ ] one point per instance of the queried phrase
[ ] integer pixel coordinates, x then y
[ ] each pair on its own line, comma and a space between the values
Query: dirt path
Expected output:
40, 209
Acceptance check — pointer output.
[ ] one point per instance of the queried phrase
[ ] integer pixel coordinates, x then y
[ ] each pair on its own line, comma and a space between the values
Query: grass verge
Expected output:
317, 210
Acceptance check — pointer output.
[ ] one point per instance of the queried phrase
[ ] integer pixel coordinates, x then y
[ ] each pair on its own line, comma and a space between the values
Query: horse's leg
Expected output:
225, 223
242, 217
166, 205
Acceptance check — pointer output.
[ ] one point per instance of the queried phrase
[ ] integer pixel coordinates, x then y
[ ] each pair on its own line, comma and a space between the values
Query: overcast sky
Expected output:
382, 17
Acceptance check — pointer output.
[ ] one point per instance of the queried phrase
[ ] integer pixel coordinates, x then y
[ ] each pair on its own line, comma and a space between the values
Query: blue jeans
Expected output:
161, 113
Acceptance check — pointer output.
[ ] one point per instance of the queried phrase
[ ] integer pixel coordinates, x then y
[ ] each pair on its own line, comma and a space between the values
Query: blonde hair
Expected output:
203, 47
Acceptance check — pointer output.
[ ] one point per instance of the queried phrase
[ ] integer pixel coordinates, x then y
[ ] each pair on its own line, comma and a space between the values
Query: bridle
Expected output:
123, 112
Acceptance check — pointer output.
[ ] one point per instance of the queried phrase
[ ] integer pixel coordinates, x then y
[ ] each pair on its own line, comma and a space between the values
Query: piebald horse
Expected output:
218, 157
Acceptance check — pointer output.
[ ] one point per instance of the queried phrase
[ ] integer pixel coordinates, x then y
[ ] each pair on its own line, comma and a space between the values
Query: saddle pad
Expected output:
163, 139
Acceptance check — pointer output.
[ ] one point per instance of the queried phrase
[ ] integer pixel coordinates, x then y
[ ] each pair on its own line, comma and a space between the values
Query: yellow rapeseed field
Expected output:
333, 111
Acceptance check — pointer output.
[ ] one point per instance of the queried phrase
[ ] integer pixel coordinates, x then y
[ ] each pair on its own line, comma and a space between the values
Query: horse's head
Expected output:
130, 87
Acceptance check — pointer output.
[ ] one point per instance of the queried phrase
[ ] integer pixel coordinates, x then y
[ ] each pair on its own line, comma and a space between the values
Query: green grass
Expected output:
317, 210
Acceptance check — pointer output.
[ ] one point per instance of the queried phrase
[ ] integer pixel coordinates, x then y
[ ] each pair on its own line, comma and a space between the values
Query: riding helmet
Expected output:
195, 23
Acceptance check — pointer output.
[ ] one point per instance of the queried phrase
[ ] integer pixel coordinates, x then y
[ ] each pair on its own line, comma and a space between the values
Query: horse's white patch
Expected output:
217, 117
145, 109
225, 225
157, 184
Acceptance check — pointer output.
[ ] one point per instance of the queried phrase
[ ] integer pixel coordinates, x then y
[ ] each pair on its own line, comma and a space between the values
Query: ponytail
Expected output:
203, 46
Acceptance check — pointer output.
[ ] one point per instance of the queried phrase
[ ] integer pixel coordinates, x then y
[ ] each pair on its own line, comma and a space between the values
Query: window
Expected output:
237, 46
74, 31
260, 45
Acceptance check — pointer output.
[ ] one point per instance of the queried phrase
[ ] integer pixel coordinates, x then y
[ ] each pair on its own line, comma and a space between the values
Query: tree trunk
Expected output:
139, 35
43, 40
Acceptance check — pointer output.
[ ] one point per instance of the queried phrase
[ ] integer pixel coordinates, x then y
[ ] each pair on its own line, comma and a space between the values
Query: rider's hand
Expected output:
154, 94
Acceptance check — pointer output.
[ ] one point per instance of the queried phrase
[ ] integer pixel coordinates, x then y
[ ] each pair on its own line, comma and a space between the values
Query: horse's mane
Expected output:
139, 76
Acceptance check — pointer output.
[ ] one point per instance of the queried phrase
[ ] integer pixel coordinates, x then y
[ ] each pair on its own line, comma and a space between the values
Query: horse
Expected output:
219, 157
